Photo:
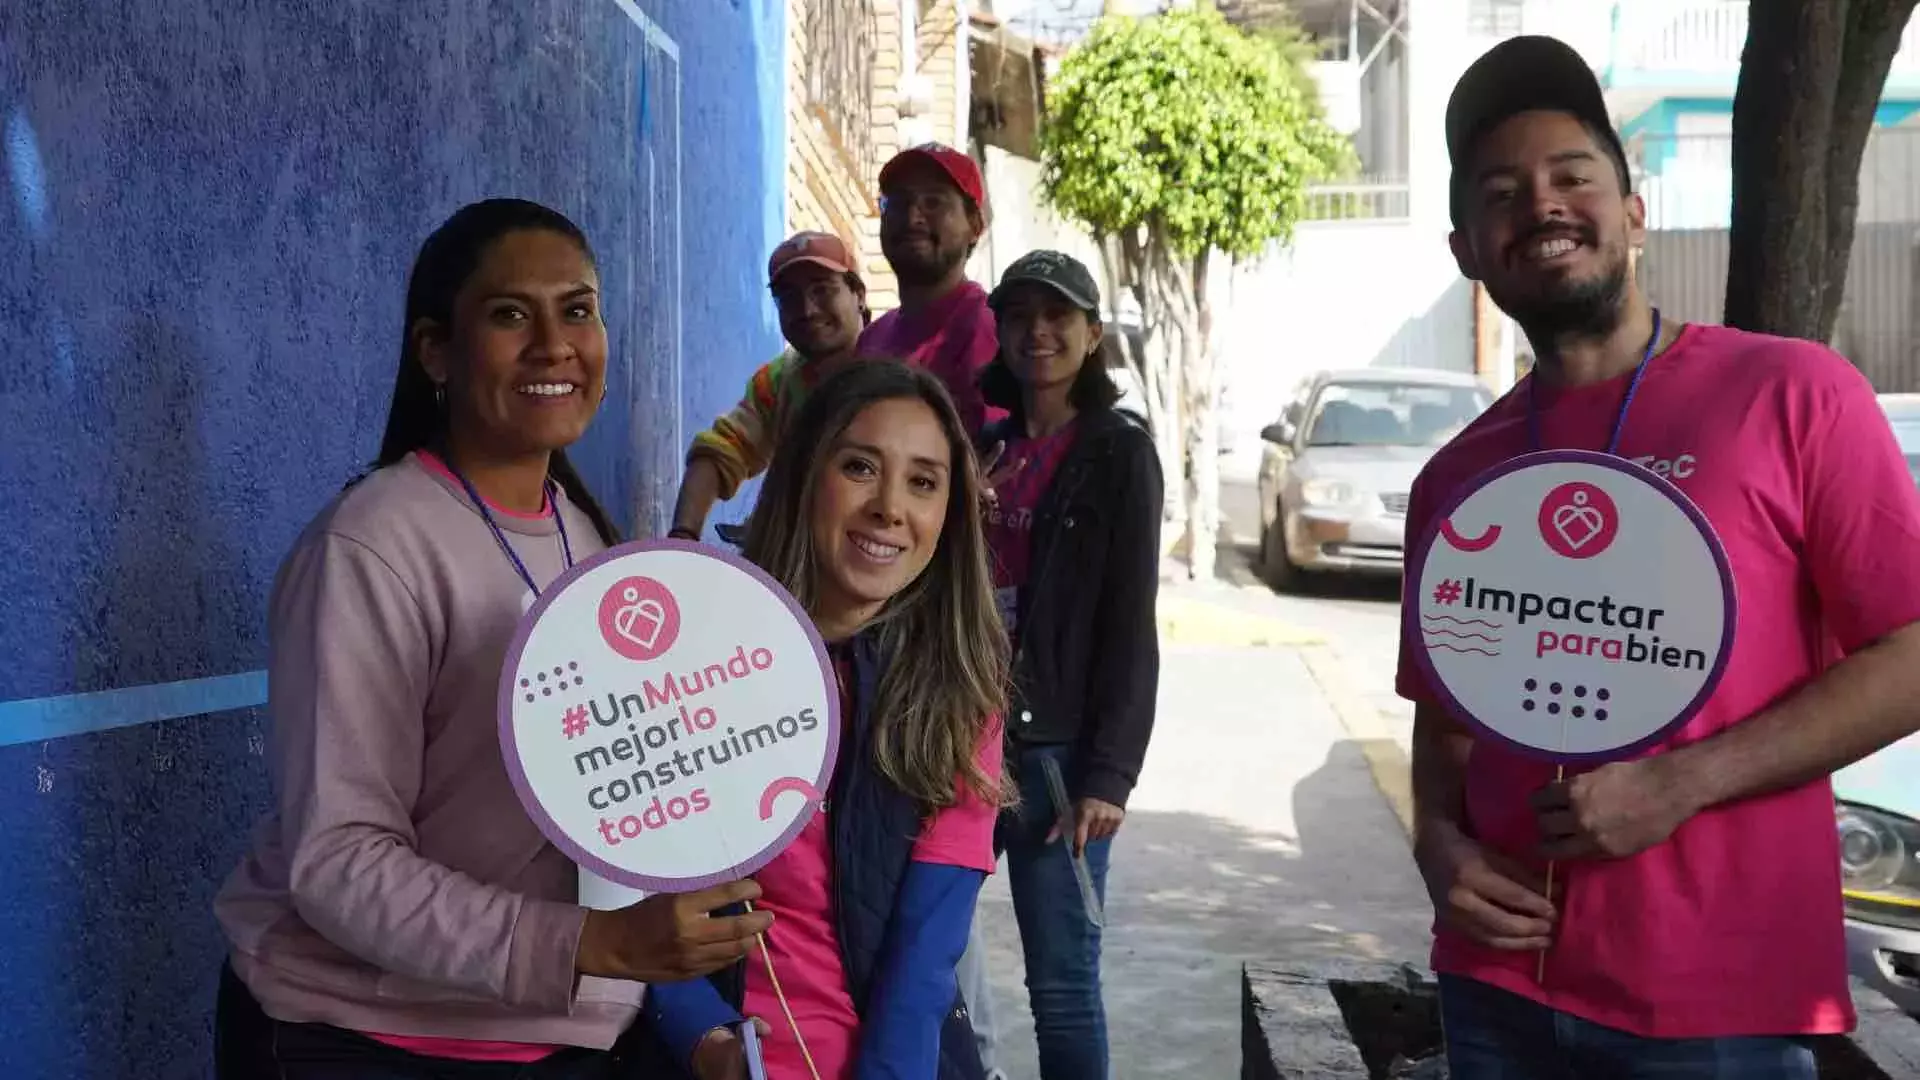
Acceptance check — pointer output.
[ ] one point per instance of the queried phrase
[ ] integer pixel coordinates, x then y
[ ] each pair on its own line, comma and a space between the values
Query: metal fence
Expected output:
1687, 182
1364, 198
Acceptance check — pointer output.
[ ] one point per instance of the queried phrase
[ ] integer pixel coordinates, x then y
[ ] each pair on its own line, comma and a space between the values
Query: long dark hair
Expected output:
417, 420
947, 651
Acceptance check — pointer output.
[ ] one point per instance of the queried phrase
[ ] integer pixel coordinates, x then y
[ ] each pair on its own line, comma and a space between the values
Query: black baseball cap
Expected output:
1060, 272
1523, 74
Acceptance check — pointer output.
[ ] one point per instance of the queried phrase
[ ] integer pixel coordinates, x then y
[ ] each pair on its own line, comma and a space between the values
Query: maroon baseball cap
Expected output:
821, 249
961, 169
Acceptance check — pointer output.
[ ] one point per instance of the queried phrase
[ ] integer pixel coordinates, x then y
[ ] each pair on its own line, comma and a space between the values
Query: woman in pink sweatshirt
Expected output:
399, 915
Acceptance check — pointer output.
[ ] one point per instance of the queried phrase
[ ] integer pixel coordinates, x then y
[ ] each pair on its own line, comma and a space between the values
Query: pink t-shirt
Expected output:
797, 887
955, 338
1010, 520
1733, 926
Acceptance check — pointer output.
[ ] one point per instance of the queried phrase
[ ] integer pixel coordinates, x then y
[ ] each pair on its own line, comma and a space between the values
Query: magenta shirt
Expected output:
1010, 519
797, 887
955, 338
1734, 925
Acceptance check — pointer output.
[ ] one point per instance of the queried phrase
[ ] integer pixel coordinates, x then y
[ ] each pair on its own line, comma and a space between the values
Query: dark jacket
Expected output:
872, 830
1087, 665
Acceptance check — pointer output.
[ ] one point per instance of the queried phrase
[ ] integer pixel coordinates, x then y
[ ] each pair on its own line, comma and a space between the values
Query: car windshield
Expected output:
1906, 428
1393, 414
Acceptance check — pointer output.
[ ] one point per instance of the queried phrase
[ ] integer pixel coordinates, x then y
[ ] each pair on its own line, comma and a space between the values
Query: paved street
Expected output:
1258, 831
1359, 618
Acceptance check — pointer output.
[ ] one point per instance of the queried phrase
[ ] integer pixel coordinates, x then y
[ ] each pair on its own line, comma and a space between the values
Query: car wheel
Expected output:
1275, 566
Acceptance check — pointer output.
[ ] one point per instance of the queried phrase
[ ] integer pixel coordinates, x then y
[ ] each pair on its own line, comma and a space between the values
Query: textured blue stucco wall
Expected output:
207, 210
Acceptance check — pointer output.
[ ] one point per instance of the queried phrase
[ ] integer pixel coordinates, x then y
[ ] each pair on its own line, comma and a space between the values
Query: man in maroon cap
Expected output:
822, 305
933, 211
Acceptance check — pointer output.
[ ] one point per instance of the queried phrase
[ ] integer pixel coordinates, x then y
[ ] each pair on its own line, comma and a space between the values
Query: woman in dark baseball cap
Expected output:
1074, 528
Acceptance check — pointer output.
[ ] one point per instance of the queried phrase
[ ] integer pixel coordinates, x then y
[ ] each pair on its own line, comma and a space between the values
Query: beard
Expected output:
913, 266
1567, 309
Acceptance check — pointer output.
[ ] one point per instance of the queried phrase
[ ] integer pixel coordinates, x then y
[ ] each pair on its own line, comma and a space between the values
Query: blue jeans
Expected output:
1496, 1035
1061, 944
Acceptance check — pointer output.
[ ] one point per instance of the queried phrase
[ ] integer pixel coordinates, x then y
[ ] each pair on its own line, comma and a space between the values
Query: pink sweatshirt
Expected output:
399, 887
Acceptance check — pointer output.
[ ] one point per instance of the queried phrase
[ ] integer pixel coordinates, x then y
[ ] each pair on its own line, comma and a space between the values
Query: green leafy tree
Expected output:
1174, 139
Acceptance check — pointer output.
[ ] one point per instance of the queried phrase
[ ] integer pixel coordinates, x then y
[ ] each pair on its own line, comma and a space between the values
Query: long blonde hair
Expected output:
945, 647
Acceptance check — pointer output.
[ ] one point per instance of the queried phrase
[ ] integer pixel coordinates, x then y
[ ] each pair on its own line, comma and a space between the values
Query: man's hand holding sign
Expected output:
1617, 810
1577, 608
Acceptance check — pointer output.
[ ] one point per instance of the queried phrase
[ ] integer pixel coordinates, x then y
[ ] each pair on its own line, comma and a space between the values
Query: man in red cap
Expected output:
933, 211
823, 309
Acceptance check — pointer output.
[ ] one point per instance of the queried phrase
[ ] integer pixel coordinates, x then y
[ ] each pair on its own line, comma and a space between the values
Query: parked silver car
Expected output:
1879, 820
1338, 464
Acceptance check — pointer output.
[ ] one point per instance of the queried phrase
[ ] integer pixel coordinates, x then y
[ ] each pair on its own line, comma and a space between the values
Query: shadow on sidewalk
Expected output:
1324, 874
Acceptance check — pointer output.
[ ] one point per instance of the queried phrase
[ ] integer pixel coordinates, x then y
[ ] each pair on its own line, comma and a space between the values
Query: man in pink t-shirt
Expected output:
933, 211
1698, 931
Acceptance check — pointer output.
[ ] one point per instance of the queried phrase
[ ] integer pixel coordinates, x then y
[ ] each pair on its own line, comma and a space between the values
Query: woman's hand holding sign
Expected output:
1483, 894
1617, 810
670, 937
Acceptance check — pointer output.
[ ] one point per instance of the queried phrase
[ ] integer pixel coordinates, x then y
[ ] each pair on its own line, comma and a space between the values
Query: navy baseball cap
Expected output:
1523, 74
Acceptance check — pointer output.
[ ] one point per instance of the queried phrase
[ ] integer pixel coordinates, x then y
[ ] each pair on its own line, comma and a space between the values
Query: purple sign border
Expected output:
1414, 592
509, 748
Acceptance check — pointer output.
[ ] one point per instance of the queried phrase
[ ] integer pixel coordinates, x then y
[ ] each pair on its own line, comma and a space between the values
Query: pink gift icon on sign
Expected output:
639, 618
1578, 520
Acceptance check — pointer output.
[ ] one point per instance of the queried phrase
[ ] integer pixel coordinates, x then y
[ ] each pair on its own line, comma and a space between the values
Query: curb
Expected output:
1185, 621
1392, 772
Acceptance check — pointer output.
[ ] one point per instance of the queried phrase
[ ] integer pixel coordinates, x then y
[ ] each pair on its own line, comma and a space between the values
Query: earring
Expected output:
439, 393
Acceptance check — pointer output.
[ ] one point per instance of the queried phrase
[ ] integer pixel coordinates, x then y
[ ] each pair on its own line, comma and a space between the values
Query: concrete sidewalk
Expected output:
1257, 832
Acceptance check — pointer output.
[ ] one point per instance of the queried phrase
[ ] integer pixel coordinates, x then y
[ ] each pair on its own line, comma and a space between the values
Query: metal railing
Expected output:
1364, 198
1703, 36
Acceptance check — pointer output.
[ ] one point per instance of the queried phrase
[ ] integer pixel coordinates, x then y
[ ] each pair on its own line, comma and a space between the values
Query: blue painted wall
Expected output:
207, 210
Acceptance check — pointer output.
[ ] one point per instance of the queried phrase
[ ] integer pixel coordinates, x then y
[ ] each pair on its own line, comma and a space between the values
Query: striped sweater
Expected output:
740, 444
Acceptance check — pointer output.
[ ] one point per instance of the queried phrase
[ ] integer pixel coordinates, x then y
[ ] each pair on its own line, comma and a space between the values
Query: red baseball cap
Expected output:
821, 249
961, 169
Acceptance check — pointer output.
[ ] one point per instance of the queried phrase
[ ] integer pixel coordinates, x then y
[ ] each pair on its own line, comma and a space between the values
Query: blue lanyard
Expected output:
566, 549
1620, 420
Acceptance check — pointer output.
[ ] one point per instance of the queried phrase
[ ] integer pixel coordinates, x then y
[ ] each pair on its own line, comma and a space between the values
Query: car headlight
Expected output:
1879, 854
1328, 493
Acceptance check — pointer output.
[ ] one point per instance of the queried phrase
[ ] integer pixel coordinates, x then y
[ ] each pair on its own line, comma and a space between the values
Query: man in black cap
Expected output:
1699, 929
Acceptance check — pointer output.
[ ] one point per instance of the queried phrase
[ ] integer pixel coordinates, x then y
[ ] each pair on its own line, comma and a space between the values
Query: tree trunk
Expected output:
1174, 287
1810, 81
1203, 397
1158, 381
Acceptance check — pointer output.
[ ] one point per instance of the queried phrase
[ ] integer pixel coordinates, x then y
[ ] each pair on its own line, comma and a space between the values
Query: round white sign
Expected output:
1571, 604
669, 716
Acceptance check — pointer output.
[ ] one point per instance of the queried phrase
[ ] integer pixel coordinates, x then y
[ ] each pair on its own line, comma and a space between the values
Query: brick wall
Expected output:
832, 172
825, 157
939, 40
